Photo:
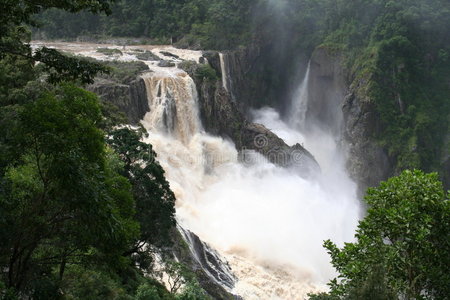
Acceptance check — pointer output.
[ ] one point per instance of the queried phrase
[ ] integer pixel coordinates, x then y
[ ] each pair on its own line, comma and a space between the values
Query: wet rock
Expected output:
166, 64
368, 163
131, 99
212, 271
260, 139
213, 60
168, 54
327, 89
221, 116
147, 56
446, 174
348, 113
124, 88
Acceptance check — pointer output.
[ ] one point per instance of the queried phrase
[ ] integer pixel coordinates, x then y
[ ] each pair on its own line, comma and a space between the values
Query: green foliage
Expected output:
62, 202
65, 68
123, 72
206, 72
14, 38
402, 247
68, 222
215, 24
85, 283
322, 296
183, 282
147, 292
193, 291
154, 199
398, 60
81, 283
15, 73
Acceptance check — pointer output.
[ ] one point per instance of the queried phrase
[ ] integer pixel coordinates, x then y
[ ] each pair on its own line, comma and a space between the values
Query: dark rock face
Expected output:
130, 98
248, 78
327, 90
168, 54
348, 114
445, 162
260, 139
212, 272
221, 116
124, 88
166, 64
368, 163
147, 55
340, 109
446, 174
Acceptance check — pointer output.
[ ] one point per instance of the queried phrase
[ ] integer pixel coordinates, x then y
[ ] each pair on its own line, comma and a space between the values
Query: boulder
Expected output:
166, 64
221, 116
131, 99
168, 54
211, 270
147, 56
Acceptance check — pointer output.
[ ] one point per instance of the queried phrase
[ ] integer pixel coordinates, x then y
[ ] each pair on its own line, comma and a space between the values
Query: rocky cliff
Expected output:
348, 113
337, 100
258, 75
124, 88
342, 108
222, 115
213, 274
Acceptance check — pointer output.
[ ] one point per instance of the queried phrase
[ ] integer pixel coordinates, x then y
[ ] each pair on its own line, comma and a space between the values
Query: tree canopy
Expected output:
79, 217
402, 247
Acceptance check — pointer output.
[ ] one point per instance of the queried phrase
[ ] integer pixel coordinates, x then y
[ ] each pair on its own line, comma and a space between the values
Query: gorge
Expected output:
256, 214
222, 149
267, 206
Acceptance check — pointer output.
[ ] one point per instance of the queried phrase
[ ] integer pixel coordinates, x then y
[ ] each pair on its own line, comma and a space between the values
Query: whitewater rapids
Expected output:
269, 222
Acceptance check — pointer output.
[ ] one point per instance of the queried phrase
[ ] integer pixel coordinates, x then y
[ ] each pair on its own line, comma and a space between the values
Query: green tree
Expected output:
63, 201
402, 245
15, 16
154, 199
67, 213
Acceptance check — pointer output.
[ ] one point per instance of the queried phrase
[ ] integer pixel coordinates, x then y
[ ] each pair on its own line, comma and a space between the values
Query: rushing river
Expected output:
268, 222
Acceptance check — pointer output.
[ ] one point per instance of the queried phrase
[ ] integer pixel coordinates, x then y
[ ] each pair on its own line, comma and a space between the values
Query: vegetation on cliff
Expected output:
397, 53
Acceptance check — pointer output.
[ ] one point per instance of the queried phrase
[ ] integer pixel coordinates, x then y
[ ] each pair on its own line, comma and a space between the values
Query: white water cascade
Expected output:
268, 222
299, 107
224, 69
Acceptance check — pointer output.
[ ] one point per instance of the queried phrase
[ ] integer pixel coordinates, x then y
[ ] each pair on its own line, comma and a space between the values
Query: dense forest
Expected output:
84, 204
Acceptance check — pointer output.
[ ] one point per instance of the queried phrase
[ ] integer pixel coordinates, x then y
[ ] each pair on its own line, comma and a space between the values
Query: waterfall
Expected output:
268, 222
224, 69
168, 98
297, 117
184, 150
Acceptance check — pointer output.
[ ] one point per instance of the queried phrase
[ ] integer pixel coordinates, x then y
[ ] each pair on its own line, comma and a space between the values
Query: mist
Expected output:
260, 216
